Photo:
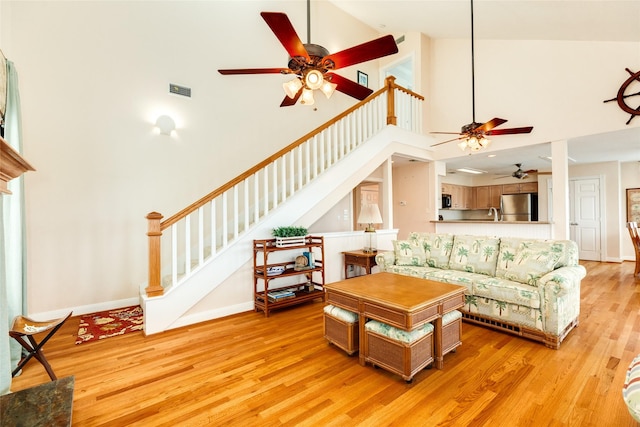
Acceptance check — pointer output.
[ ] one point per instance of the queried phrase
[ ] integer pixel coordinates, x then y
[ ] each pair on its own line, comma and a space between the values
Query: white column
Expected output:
560, 184
387, 194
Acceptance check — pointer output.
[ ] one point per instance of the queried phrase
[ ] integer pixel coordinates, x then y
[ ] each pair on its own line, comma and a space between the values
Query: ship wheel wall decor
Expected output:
622, 98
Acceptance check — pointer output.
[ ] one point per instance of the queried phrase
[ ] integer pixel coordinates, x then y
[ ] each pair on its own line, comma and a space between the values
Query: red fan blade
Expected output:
256, 71
449, 140
349, 87
510, 131
491, 124
284, 31
288, 102
373, 49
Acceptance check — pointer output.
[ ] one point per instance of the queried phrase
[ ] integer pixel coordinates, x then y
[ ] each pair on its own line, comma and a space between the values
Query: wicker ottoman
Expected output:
341, 328
402, 352
451, 331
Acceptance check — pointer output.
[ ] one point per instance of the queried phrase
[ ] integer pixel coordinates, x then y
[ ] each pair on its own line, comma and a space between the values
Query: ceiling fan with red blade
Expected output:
474, 134
314, 65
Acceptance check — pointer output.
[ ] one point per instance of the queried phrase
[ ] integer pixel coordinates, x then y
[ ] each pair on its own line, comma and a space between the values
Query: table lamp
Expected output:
370, 214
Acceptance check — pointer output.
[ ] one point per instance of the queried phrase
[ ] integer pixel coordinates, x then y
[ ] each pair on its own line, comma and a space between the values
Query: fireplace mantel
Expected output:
12, 165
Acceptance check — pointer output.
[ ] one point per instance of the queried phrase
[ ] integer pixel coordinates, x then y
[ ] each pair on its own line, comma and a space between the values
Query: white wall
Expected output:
93, 78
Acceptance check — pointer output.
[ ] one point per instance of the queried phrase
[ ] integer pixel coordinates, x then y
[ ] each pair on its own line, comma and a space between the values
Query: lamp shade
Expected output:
307, 97
292, 87
370, 214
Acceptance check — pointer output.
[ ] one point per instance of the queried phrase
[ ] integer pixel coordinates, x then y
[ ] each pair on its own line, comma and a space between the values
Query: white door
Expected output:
585, 221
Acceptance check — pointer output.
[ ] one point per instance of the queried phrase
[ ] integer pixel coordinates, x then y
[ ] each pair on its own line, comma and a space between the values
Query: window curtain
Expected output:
12, 241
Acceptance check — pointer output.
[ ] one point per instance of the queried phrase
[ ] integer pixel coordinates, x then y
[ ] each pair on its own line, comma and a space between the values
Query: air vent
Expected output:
400, 39
180, 90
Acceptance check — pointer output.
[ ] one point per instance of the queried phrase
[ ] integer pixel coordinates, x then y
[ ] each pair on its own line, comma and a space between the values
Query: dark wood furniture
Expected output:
310, 281
635, 239
366, 260
401, 301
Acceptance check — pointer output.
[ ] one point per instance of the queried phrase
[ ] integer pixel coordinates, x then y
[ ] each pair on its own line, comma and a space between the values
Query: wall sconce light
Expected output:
166, 125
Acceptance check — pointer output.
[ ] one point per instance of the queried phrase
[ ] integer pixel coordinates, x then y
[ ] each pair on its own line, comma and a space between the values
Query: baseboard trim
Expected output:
85, 309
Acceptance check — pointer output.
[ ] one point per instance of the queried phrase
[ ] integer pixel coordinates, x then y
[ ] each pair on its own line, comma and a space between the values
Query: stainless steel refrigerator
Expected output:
519, 207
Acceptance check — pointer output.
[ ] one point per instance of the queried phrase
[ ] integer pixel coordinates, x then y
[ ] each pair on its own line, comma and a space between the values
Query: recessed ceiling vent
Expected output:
180, 90
400, 39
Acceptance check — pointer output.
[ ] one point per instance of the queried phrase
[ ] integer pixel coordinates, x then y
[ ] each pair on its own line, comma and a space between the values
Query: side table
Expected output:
367, 260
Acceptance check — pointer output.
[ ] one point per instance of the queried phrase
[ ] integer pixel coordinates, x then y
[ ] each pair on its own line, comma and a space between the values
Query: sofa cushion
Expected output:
398, 334
341, 313
507, 291
437, 247
533, 260
475, 254
509, 247
409, 252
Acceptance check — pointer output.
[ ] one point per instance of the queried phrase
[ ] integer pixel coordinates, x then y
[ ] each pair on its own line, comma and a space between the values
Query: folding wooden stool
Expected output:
25, 327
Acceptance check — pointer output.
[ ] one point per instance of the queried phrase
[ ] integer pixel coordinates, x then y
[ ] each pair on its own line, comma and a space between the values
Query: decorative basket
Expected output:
284, 242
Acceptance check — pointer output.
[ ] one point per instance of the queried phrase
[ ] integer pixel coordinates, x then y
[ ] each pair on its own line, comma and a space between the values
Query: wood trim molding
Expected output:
12, 165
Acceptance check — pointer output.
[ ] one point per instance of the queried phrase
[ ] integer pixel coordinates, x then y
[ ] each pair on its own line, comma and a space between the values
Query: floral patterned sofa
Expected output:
526, 287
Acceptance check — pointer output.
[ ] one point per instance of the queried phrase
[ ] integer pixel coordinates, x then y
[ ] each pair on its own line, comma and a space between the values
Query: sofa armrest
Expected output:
562, 280
384, 259
561, 293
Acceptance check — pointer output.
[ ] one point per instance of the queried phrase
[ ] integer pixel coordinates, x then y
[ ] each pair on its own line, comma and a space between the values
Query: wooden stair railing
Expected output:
250, 196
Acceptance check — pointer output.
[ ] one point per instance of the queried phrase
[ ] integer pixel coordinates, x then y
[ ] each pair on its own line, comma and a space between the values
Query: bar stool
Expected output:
25, 327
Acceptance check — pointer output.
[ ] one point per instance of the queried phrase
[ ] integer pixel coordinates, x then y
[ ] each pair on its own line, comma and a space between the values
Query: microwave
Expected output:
446, 201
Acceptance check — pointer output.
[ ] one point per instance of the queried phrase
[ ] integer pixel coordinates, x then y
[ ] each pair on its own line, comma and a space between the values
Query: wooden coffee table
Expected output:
401, 301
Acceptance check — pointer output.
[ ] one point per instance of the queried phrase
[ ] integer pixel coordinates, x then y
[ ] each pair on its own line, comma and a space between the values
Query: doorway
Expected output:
585, 219
364, 194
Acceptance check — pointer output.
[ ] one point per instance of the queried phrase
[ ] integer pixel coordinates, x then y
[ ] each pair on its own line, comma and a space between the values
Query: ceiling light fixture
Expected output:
474, 142
471, 170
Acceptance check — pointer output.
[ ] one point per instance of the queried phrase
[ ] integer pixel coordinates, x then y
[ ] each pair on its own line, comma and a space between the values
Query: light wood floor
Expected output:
250, 370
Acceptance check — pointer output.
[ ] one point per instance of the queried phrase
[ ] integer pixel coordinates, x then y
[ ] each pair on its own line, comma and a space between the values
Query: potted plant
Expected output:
289, 236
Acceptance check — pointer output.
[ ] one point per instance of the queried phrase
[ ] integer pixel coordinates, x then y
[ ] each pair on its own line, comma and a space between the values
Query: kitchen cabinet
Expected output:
524, 187
487, 196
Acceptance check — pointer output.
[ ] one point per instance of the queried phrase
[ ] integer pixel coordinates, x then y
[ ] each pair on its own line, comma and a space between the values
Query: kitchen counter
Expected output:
488, 221
525, 229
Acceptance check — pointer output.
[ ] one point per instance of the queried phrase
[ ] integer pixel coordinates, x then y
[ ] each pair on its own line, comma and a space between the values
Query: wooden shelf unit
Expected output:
261, 251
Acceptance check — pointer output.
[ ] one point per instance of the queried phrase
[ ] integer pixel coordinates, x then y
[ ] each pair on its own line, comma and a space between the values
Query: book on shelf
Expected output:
280, 295
311, 261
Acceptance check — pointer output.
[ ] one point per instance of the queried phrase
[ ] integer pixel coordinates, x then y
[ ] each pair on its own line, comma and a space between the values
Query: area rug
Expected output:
105, 324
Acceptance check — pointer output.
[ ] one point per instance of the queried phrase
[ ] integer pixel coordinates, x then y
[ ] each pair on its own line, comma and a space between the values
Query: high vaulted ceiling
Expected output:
517, 20
503, 20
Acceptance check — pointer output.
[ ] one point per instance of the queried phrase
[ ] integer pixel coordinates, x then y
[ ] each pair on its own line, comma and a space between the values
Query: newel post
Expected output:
391, 102
154, 232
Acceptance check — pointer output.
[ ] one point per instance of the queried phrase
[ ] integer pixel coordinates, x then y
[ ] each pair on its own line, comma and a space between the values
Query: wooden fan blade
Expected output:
349, 87
373, 49
447, 133
531, 171
490, 124
288, 102
449, 140
284, 31
510, 131
256, 71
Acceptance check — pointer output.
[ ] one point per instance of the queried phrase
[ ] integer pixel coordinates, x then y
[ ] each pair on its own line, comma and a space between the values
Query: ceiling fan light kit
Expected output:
473, 135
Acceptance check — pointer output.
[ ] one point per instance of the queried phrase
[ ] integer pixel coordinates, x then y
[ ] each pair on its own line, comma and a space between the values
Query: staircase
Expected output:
194, 251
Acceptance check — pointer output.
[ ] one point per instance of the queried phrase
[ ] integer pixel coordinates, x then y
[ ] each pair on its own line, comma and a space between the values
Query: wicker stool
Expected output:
341, 328
451, 331
402, 352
